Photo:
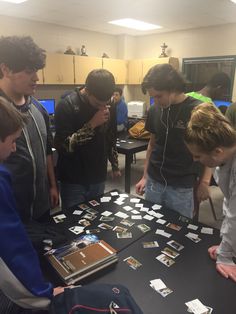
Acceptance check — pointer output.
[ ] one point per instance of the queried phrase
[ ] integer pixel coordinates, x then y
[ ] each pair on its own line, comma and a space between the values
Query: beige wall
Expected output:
211, 41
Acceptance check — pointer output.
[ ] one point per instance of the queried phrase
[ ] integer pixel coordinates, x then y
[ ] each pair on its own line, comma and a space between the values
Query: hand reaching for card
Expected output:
228, 271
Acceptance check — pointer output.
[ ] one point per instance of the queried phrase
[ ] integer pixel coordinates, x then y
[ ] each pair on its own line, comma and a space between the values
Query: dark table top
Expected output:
193, 276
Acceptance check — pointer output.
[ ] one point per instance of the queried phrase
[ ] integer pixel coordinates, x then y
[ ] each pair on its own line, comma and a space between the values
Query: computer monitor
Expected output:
219, 103
49, 105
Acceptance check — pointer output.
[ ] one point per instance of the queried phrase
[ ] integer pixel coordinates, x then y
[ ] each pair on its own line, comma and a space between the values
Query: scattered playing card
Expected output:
159, 286
144, 228
163, 233
156, 206
161, 221
138, 205
92, 211
124, 195
76, 229
59, 218
107, 218
148, 217
177, 246
150, 245
119, 229
136, 217
121, 215
134, 200
94, 203
105, 199
128, 208
174, 226
84, 222
93, 231
135, 212
106, 213
105, 226
197, 307
77, 212
166, 260
170, 252
127, 222
83, 206
193, 237
89, 216
207, 230
192, 227
114, 193
124, 235
132, 262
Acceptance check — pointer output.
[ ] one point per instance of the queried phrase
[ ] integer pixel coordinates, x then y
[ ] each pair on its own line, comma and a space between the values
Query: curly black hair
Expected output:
20, 53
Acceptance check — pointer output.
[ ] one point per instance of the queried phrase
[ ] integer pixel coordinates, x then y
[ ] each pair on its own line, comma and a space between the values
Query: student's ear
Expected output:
5, 70
218, 150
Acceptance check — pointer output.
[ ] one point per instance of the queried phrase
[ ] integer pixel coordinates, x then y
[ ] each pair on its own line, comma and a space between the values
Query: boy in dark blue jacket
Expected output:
21, 279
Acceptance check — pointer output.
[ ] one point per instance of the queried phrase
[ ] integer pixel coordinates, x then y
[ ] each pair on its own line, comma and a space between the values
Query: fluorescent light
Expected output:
14, 1
135, 24
234, 1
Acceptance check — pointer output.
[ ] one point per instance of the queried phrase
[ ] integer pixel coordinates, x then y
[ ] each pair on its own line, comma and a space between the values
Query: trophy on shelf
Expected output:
83, 51
163, 53
69, 51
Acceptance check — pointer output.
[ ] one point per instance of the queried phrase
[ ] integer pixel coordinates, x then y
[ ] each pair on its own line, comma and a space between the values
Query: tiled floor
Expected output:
205, 214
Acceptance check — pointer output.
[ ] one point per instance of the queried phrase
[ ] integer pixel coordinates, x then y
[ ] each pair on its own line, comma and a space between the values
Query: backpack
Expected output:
93, 299
138, 131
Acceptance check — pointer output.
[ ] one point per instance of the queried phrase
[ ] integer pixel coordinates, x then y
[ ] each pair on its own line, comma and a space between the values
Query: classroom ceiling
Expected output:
94, 15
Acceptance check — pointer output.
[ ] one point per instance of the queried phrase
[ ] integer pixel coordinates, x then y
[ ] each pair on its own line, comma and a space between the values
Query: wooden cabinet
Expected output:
84, 65
40, 76
117, 67
59, 69
135, 71
138, 68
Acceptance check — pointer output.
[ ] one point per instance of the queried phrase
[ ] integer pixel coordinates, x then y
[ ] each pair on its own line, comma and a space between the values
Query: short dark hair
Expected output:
20, 53
163, 77
220, 79
11, 119
101, 84
118, 90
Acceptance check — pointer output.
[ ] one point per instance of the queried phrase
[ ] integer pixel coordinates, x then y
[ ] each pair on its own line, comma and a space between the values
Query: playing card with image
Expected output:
105, 226
165, 291
166, 260
94, 203
83, 206
92, 211
127, 222
76, 229
119, 229
124, 235
106, 218
84, 222
170, 252
93, 231
193, 237
144, 228
177, 246
174, 226
89, 216
132, 262
150, 245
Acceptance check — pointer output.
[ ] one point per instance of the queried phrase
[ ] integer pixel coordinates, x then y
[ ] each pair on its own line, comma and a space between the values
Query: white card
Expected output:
124, 195
122, 215
119, 202
106, 213
144, 209
156, 206
207, 230
192, 235
148, 217
161, 221
157, 284
192, 227
163, 233
128, 208
136, 217
134, 200
76, 229
114, 193
197, 307
77, 212
138, 205
105, 199
136, 212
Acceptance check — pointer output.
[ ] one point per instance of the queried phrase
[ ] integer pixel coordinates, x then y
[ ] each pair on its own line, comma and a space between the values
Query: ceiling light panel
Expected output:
135, 24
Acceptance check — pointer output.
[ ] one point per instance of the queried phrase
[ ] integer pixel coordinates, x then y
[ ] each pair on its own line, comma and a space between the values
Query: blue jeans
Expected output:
72, 194
175, 198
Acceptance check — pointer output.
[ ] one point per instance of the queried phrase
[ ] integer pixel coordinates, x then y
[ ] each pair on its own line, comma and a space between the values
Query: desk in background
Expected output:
129, 147
192, 276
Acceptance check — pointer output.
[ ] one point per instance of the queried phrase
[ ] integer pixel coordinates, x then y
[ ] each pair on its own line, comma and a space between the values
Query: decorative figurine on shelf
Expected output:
83, 51
69, 51
163, 53
104, 55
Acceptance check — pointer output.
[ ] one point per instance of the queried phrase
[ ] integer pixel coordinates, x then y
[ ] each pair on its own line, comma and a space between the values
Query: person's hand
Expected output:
100, 117
116, 174
140, 186
213, 252
54, 196
227, 271
203, 192
58, 290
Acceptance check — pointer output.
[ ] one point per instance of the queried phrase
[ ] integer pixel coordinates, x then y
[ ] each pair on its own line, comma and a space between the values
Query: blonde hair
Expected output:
208, 129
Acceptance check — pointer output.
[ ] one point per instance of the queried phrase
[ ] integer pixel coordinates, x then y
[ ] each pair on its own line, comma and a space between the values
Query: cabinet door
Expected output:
148, 63
117, 67
135, 71
84, 65
59, 69
40, 76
